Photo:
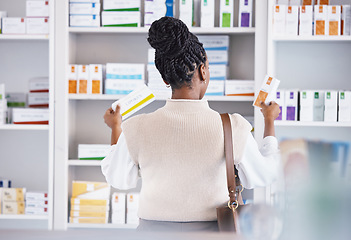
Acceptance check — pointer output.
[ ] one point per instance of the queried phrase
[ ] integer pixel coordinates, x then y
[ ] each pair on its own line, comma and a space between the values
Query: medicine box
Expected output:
291, 105
331, 106
186, 12
155, 9
151, 56
292, 21
217, 57
321, 20
2, 15
90, 208
38, 100
279, 16
37, 25
36, 196
245, 13
90, 190
37, 203
118, 5
125, 71
120, 19
334, 20
239, 88
280, 100
37, 8
30, 116
132, 208
4, 183
345, 19
39, 85
122, 87
89, 214
90, 220
2, 91
214, 42
36, 210
311, 105
321, 2
90, 202
13, 25
93, 151
306, 21
83, 83
344, 114
218, 72
226, 13
13, 207
267, 92
13, 194
84, 20
307, 2
84, 8
215, 88
72, 78
96, 77
207, 19
118, 202
318, 106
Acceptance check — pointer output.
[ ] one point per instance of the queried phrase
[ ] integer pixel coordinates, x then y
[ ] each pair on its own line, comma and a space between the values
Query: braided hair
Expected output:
178, 51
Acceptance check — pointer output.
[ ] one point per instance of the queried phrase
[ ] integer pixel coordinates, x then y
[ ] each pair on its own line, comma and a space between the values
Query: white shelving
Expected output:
24, 37
23, 127
77, 162
311, 124
102, 226
311, 38
24, 217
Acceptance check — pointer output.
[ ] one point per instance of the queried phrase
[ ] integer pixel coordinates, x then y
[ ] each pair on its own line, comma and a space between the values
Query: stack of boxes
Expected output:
85, 79
84, 13
93, 151
3, 105
309, 19
155, 9
36, 21
240, 88
36, 203
12, 200
123, 78
90, 202
121, 13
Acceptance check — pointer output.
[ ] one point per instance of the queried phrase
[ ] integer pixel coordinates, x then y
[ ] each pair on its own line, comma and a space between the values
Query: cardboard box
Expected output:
96, 78
311, 105
84, 21
280, 100
279, 16
218, 72
128, 71
292, 21
118, 202
215, 88
214, 42
334, 20
307, 2
10, 207
321, 2
331, 106
38, 100
30, 116
245, 13
151, 56
118, 5
90, 208
89, 214
37, 203
120, 19
306, 21
72, 78
13, 25
207, 19
90, 190
13, 194
155, 9
318, 106
217, 57
84, 8
83, 79
186, 12
239, 88
39, 85
321, 20
226, 13
93, 151
291, 105
37, 8
36, 196
267, 92
37, 25
132, 208
2, 15
36, 211
90, 220
344, 114
90, 202
345, 19
16, 99
122, 87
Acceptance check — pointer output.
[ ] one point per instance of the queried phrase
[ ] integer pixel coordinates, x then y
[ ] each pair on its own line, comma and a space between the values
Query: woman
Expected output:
178, 150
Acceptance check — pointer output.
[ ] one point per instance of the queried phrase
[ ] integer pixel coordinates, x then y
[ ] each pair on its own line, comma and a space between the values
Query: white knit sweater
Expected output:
180, 151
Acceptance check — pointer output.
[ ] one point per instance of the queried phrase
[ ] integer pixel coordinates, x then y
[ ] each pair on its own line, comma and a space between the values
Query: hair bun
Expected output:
169, 36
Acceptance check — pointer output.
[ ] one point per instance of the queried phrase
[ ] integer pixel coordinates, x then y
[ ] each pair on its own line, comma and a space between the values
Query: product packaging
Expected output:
291, 105
321, 2
245, 13
3, 14
331, 106
207, 19
84, 8
292, 21
226, 13
118, 202
72, 78
16, 99
36, 210
90, 190
38, 100
12, 207
39, 85
308, 2
155, 9
90, 202
96, 77
83, 79
186, 12
311, 105
280, 100
218, 72
215, 88
13, 25
267, 92
321, 20
36, 196
2, 91
217, 57
279, 16
122, 87
239, 88
13, 194
93, 151
120, 19
334, 20
37, 8
30, 116
90, 220
89, 214
344, 114
84, 20
306, 21
132, 208
345, 19
37, 203
215, 42
118, 5
90, 208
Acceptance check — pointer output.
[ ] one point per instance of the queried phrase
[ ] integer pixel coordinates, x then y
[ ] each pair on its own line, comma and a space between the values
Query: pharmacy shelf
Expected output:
311, 38
76, 162
110, 225
24, 127
24, 37
311, 124
144, 30
23, 217
116, 97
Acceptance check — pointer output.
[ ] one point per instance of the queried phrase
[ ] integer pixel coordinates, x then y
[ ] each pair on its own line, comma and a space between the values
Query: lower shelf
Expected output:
311, 124
23, 127
24, 217
77, 162
109, 225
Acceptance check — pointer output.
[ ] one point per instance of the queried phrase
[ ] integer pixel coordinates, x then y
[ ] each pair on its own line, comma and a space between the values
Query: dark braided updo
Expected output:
178, 52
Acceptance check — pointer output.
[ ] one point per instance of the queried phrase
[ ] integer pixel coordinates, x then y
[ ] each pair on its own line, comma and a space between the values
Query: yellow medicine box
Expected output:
10, 207
13, 194
90, 190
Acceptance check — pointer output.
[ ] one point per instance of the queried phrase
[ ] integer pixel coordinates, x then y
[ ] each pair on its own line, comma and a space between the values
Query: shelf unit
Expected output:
101, 226
27, 151
311, 124
311, 38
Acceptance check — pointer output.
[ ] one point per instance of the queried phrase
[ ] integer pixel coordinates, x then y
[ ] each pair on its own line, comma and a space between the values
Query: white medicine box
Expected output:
84, 8
321, 20
279, 17
292, 20
306, 21
37, 25
330, 106
37, 8
344, 106
280, 100
334, 20
207, 14
291, 104
312, 105
12, 25
132, 208
226, 15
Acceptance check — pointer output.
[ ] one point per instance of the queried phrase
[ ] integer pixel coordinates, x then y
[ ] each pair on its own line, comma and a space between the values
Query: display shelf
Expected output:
109, 225
311, 38
311, 124
24, 127
23, 37
198, 30
24, 217
116, 97
77, 162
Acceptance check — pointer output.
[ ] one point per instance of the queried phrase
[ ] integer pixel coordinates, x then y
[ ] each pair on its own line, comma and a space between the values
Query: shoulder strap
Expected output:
229, 156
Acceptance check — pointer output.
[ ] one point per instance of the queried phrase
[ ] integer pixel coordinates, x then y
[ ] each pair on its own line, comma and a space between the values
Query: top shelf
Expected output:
144, 30
311, 38
24, 37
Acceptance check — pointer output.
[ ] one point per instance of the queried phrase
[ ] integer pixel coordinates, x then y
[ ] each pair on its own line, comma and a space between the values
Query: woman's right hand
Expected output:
271, 111
113, 119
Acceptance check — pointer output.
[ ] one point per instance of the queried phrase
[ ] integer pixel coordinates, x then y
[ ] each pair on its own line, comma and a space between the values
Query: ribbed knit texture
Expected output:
180, 151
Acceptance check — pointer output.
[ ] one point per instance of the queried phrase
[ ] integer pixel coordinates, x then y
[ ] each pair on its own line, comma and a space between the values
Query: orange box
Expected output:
83, 79
334, 18
321, 20
267, 92
72, 79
